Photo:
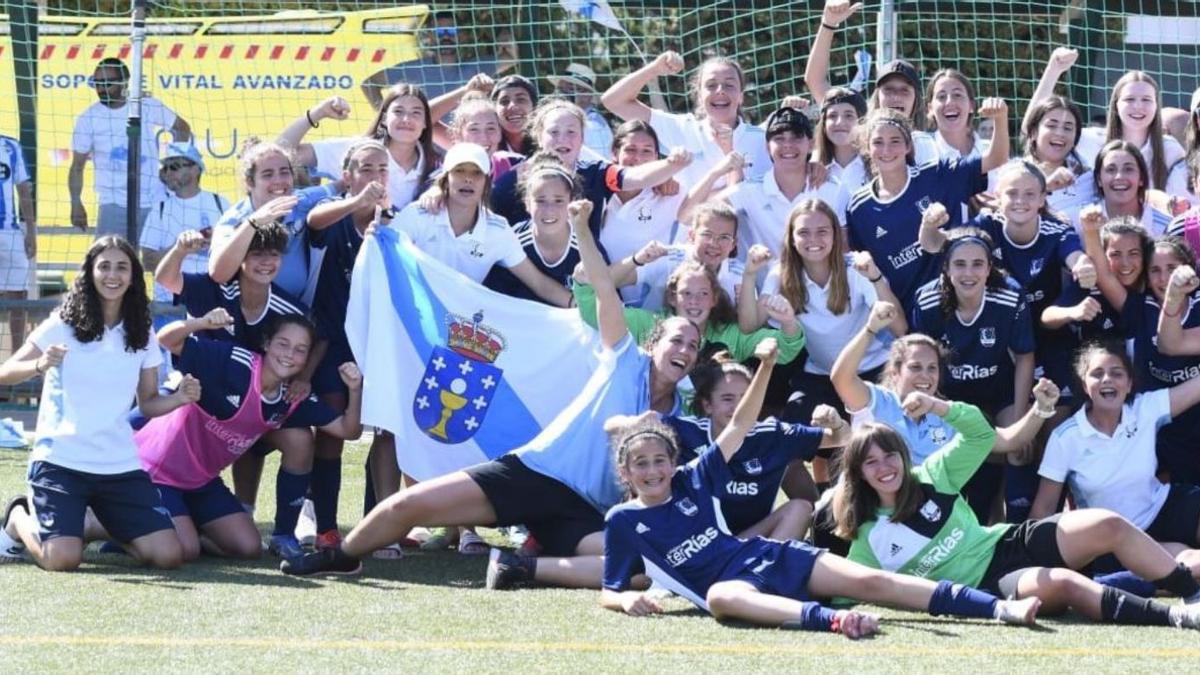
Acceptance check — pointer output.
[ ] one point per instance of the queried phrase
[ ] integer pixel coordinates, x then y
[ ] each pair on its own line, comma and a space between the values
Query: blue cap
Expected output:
186, 151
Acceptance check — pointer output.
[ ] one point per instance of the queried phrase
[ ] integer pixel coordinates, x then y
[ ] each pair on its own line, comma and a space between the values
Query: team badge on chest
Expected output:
753, 467
931, 511
687, 507
987, 336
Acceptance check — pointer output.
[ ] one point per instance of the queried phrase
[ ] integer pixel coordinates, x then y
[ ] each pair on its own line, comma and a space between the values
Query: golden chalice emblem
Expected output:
452, 400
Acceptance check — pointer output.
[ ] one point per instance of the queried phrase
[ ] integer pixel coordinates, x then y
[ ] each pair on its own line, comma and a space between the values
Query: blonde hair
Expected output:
791, 264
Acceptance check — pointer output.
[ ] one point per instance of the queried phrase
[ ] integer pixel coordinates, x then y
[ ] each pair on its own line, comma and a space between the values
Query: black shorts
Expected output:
555, 515
1033, 543
1179, 516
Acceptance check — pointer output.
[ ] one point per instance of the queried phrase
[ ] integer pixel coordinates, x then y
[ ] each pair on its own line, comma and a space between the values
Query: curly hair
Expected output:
876, 119
82, 310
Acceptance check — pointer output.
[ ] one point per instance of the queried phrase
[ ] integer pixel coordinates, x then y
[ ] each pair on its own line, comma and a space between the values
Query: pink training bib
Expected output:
188, 447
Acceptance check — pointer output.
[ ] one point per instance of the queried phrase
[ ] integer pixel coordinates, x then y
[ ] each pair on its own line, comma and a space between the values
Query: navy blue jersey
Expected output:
598, 180
501, 280
223, 369
1037, 266
889, 229
1156, 370
756, 469
1056, 348
340, 243
683, 543
980, 368
201, 295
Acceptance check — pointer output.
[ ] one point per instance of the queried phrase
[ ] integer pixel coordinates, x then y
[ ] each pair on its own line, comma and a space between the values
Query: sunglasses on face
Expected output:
445, 32
176, 166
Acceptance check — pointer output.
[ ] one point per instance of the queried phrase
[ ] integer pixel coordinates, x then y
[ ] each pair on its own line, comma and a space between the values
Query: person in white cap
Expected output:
186, 208
578, 85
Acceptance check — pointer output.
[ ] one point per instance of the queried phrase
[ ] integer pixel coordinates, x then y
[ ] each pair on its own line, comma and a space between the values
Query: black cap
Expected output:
837, 95
788, 119
903, 69
509, 81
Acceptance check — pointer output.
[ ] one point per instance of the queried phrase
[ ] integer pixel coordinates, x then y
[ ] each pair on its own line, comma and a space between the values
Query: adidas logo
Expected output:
880, 233
234, 400
896, 548
641, 529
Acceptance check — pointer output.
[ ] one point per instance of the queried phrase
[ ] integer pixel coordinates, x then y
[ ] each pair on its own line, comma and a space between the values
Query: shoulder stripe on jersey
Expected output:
282, 306
1005, 297
242, 355
231, 290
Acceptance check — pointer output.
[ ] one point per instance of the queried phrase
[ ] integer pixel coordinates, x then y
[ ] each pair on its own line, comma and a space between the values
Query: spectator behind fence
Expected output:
17, 245
578, 85
440, 69
187, 208
100, 136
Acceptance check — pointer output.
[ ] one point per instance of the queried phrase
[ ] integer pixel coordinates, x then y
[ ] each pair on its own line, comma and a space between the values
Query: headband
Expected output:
651, 433
555, 170
968, 239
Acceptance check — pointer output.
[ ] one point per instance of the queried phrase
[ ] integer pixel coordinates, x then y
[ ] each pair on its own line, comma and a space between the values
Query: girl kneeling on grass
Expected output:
673, 531
95, 354
243, 395
914, 521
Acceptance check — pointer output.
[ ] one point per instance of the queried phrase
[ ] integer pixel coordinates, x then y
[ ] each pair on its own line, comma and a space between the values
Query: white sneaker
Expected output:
1186, 616
306, 526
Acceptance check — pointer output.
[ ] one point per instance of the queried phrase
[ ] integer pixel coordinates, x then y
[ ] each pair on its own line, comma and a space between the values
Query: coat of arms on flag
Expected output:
456, 390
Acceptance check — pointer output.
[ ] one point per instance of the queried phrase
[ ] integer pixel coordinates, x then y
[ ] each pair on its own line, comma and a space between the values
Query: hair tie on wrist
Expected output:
825, 25
308, 116
876, 279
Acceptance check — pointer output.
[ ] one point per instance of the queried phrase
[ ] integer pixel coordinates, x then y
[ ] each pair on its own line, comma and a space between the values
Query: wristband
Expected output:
1044, 415
308, 116
252, 223
37, 366
827, 26
876, 279
634, 260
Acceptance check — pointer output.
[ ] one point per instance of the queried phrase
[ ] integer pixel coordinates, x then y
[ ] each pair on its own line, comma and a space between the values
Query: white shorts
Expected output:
14, 265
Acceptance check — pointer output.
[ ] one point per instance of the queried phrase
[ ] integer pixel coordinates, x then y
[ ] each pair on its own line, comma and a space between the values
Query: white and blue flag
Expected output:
459, 373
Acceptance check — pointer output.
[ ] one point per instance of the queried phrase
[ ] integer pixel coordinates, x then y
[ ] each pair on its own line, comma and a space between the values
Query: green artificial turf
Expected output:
430, 613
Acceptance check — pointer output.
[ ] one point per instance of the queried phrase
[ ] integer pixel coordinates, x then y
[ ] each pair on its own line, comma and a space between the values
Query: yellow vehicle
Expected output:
230, 77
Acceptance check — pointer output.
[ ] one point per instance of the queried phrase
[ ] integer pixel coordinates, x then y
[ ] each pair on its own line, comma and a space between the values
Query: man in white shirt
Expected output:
100, 136
187, 208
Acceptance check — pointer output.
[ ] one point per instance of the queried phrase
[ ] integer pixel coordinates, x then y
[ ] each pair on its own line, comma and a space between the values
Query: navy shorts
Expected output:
126, 504
555, 515
1179, 516
203, 505
779, 568
326, 379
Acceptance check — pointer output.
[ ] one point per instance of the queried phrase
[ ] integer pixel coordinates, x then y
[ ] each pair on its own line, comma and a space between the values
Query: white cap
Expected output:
467, 153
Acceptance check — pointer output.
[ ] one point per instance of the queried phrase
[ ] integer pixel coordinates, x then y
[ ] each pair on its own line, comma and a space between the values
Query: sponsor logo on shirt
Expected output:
987, 336
931, 512
235, 400
880, 233
741, 488
906, 255
686, 507
641, 528
1174, 376
939, 553
691, 546
973, 372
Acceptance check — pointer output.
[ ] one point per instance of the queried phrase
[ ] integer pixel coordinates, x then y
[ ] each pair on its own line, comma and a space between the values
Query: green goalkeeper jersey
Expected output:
943, 540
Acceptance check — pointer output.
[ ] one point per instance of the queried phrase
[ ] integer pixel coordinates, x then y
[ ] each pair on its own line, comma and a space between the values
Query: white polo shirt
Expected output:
100, 131
1070, 200
1093, 139
825, 333
171, 216
627, 227
763, 210
474, 252
1113, 472
852, 176
691, 132
83, 419
402, 185
652, 278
